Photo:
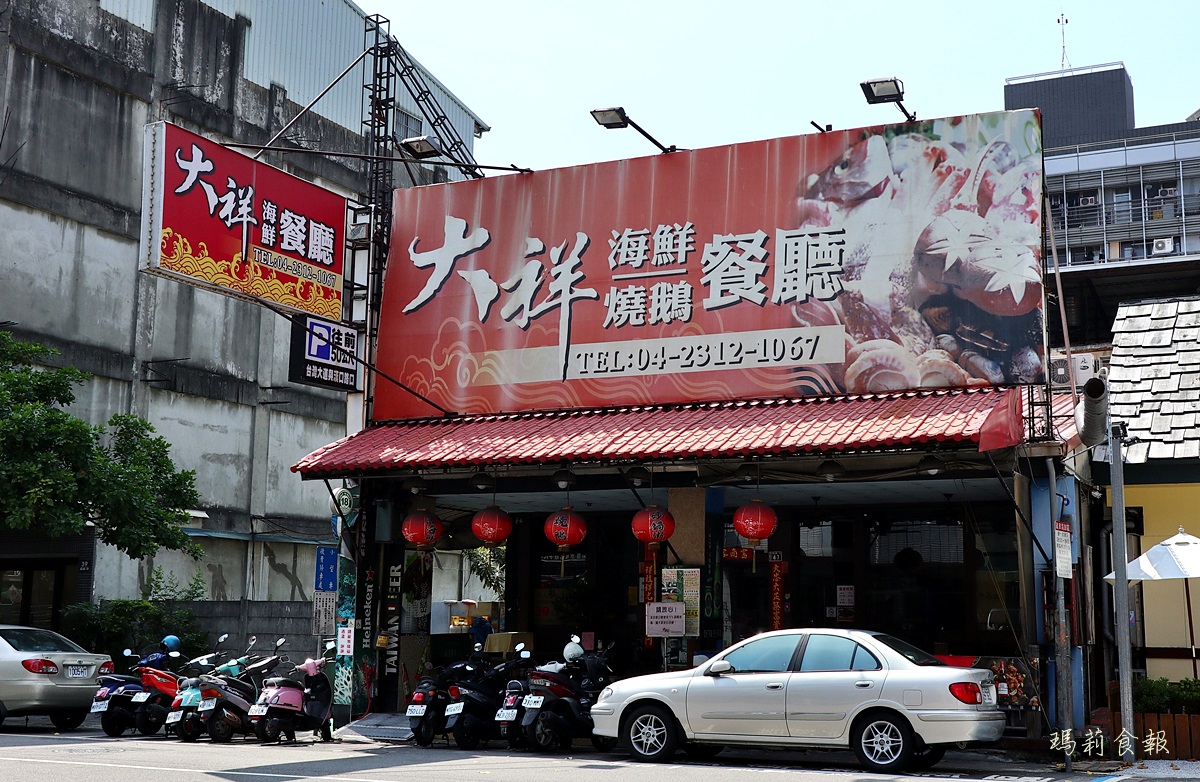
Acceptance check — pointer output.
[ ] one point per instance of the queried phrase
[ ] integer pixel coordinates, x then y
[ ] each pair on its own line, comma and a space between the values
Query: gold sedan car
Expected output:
43, 673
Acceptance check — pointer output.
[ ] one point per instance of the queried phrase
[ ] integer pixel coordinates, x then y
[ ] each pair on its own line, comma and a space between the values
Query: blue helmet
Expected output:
170, 643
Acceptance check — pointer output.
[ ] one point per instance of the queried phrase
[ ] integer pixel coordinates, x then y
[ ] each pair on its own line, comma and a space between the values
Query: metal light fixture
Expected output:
930, 465
638, 475
422, 147
564, 478
889, 90
615, 118
747, 471
483, 481
415, 484
830, 470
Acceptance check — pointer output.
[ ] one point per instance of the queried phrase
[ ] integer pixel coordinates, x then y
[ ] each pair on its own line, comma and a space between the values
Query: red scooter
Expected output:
286, 705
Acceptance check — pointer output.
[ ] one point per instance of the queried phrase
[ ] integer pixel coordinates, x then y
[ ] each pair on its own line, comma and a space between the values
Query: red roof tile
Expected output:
989, 417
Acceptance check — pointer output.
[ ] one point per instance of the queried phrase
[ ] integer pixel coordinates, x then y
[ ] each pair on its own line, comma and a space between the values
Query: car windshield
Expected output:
910, 652
31, 639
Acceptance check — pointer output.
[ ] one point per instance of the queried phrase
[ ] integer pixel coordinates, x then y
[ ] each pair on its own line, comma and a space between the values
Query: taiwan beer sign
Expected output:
880, 259
217, 219
323, 354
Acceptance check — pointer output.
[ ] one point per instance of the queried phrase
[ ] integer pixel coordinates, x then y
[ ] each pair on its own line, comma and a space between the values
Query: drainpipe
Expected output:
1062, 645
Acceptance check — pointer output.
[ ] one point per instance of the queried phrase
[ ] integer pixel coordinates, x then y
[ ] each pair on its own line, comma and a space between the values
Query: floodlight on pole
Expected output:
422, 147
889, 90
615, 118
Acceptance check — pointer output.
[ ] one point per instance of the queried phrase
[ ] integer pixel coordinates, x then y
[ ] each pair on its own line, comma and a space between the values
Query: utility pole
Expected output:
1062, 638
1116, 436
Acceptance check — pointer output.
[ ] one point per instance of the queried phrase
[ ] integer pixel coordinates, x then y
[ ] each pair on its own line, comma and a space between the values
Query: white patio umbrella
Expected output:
1177, 557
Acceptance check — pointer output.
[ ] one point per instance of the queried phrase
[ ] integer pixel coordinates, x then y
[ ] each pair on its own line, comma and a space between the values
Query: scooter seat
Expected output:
281, 681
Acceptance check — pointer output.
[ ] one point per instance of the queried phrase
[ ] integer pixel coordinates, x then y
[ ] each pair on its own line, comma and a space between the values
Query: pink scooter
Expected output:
286, 705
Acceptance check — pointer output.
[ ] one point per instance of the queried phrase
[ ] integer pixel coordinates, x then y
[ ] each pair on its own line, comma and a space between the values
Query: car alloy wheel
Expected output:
650, 733
883, 743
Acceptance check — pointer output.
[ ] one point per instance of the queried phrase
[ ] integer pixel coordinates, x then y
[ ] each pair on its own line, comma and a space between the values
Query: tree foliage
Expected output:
488, 566
58, 473
116, 625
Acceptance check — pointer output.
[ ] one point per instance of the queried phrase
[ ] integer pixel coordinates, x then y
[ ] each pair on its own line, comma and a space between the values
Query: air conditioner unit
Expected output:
1166, 192
1087, 201
1163, 246
1081, 368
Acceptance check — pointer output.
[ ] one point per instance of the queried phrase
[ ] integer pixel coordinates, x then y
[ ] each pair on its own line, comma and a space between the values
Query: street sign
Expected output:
1062, 548
324, 608
665, 619
326, 576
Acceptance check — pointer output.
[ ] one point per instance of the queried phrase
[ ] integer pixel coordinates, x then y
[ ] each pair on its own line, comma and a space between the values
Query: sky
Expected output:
702, 73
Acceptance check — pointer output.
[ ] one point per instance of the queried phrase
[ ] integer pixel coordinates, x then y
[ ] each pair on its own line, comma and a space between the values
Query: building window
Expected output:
407, 125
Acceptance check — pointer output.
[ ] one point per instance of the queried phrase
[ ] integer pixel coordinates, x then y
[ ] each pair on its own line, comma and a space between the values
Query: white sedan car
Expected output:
896, 706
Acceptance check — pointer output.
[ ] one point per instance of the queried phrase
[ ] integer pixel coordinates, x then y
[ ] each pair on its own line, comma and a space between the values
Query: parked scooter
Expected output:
471, 716
184, 717
512, 711
119, 695
557, 708
225, 709
286, 705
427, 708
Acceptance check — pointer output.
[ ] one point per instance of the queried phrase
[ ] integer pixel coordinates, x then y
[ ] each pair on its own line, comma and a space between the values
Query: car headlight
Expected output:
605, 694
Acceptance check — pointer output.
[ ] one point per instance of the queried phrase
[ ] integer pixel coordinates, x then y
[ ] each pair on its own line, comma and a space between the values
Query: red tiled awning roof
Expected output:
987, 417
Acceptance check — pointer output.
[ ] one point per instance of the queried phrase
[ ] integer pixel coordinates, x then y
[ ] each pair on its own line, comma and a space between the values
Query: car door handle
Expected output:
775, 686
863, 684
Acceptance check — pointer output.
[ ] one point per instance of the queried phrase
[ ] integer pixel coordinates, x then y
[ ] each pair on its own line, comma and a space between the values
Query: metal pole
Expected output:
1116, 433
1062, 646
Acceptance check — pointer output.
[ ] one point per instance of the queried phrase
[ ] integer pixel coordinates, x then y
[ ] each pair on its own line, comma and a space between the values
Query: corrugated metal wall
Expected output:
302, 45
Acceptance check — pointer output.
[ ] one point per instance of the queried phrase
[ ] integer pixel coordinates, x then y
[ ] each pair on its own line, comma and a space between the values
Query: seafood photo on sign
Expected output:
942, 283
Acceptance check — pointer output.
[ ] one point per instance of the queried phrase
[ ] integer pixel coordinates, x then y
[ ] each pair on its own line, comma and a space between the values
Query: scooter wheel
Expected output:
150, 718
190, 727
218, 729
112, 723
543, 733
467, 733
423, 733
267, 729
326, 731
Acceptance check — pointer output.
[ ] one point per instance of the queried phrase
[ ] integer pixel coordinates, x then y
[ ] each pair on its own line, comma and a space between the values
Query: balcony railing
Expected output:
1124, 213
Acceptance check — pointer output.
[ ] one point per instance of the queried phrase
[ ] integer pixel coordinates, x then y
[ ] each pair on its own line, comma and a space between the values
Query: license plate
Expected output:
208, 704
257, 710
76, 671
141, 697
506, 715
99, 706
989, 695
532, 702
174, 717
415, 710
454, 708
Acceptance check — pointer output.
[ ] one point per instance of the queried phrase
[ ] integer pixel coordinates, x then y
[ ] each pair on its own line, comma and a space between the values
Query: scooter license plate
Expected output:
141, 697
454, 708
506, 715
99, 706
532, 702
208, 704
415, 710
174, 717
257, 710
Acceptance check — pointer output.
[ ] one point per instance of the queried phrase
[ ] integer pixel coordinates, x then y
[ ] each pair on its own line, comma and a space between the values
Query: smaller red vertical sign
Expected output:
777, 571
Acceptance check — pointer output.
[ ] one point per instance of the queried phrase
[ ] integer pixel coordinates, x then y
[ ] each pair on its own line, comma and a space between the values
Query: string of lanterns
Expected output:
565, 528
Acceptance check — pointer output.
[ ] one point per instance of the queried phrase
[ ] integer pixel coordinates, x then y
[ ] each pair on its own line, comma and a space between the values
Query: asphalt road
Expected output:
32, 751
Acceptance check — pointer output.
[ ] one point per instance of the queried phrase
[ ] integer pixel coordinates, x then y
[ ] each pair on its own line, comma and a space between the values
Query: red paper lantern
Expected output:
421, 528
653, 525
491, 525
755, 521
565, 528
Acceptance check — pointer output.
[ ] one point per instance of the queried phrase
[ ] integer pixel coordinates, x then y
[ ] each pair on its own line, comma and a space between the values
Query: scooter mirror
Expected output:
575, 639
129, 653
479, 647
280, 642
253, 638
224, 636
519, 647
330, 644
525, 654
174, 654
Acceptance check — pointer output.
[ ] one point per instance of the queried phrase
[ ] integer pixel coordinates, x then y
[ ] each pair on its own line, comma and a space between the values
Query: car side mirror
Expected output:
718, 668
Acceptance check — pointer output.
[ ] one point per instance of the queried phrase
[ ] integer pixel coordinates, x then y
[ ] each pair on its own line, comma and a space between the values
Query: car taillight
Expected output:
454, 691
106, 667
40, 666
967, 692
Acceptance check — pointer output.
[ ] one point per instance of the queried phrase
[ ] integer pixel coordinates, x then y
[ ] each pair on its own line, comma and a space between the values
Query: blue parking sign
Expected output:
326, 580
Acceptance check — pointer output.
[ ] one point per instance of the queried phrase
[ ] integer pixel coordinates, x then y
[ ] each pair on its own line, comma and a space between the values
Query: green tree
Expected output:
488, 565
58, 473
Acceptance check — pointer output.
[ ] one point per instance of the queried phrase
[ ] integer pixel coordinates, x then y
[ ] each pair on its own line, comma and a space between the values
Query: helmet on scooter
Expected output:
170, 643
572, 651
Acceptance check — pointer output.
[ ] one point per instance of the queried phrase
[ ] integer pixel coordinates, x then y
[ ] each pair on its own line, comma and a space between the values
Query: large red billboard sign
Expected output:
871, 260
216, 218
